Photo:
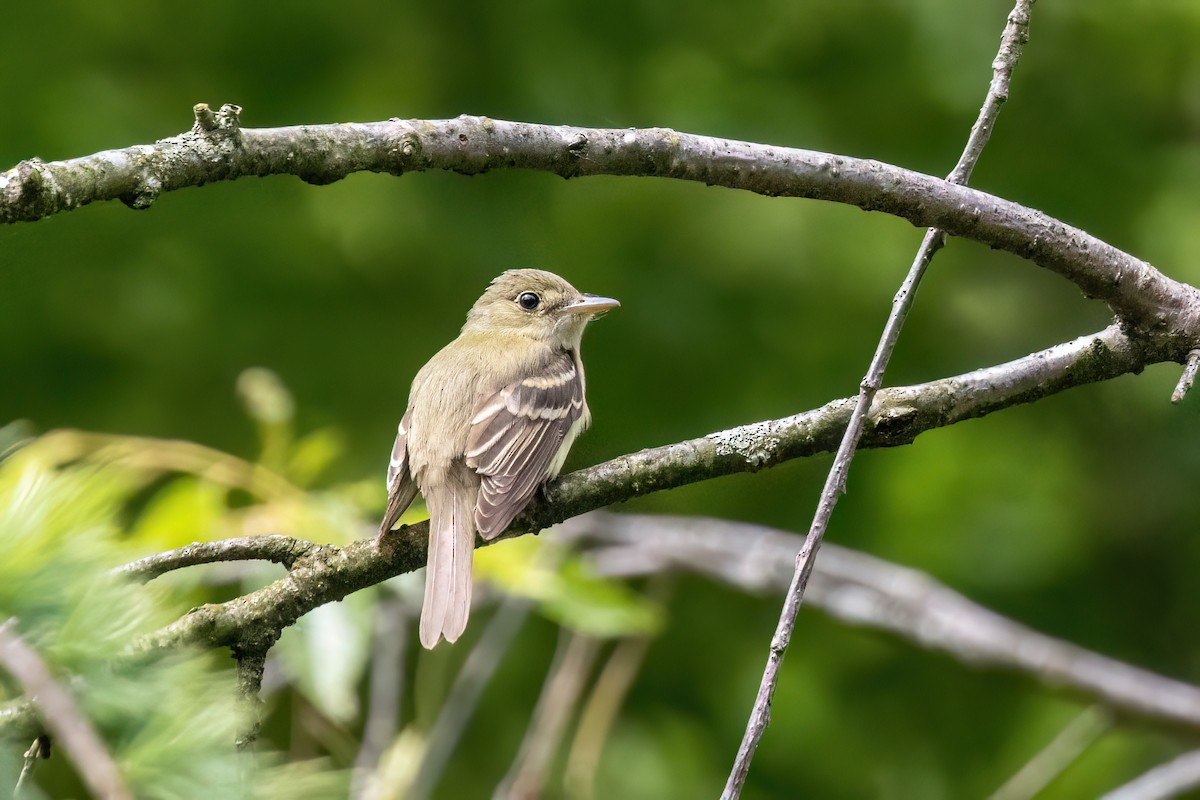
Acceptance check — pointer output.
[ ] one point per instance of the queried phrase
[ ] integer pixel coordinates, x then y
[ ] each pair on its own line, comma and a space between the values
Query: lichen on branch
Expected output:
322, 574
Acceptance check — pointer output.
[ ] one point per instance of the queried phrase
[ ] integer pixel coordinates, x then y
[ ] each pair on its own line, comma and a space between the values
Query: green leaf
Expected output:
185, 510
567, 592
598, 606
313, 454
169, 722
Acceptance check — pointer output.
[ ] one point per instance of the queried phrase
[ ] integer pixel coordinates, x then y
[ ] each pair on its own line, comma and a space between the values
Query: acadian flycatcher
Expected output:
490, 419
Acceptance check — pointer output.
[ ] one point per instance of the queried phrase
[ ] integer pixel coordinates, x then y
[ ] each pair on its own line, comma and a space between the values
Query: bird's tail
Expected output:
448, 576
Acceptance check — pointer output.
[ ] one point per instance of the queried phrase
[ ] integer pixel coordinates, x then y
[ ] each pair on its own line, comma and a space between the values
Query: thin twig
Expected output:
1172, 779
560, 694
387, 681
276, 548
464, 696
63, 719
1190, 367
1016, 32
860, 589
1062, 751
38, 751
600, 711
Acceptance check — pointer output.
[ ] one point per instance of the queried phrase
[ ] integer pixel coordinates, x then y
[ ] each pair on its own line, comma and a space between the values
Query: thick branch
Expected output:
218, 149
897, 417
863, 590
325, 573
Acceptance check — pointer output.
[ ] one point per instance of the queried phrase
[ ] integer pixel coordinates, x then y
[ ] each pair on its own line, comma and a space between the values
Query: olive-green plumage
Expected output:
490, 418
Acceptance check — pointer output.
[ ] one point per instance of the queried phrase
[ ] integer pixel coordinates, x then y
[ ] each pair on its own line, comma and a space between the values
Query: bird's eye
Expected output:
528, 301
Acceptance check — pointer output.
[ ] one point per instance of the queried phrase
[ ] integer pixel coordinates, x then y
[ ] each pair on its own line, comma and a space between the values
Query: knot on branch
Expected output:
23, 181
577, 147
144, 196
213, 137
29, 191
227, 120
895, 425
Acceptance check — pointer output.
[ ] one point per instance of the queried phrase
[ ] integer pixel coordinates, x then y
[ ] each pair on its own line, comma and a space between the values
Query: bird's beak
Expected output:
591, 304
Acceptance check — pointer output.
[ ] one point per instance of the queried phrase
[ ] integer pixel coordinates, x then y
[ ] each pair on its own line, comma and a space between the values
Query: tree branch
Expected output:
1016, 33
18, 718
250, 667
217, 148
1052, 760
326, 573
1172, 779
38, 751
275, 548
1191, 367
860, 589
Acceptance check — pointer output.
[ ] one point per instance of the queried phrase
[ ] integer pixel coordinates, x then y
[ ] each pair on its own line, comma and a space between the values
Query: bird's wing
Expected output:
401, 486
516, 435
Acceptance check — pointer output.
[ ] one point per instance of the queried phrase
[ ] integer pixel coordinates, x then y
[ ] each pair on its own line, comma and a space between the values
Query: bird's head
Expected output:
537, 304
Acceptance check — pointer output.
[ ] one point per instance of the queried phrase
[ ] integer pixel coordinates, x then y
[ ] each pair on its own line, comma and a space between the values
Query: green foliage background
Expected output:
1076, 515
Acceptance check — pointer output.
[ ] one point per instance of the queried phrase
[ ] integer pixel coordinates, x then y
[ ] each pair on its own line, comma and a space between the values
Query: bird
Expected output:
490, 418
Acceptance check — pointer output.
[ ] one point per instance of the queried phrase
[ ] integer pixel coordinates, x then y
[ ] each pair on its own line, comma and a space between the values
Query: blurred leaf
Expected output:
170, 722
270, 404
314, 778
568, 593
587, 603
326, 653
266, 399
398, 766
313, 454
185, 510
14, 435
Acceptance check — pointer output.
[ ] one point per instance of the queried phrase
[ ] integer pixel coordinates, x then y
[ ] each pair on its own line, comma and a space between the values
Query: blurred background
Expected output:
1076, 515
